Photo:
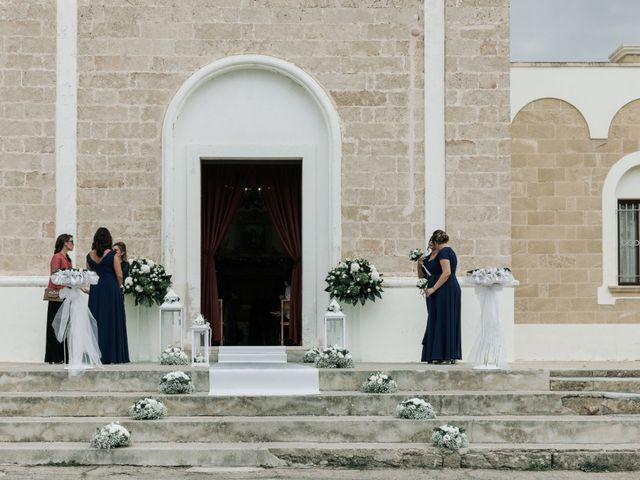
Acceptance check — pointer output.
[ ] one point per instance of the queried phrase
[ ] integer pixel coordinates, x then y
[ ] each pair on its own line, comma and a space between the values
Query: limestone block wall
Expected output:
27, 138
477, 131
368, 55
557, 178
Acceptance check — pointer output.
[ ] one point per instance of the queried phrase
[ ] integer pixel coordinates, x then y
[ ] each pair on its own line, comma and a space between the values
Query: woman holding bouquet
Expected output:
54, 350
442, 341
105, 299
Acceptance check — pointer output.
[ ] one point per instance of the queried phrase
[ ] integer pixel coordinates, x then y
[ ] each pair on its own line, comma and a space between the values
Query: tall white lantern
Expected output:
200, 342
171, 321
335, 332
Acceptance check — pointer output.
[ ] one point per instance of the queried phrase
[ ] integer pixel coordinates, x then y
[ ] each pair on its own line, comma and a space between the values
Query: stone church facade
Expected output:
421, 91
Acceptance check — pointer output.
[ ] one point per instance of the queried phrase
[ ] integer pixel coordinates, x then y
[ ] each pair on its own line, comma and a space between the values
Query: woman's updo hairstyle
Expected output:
439, 237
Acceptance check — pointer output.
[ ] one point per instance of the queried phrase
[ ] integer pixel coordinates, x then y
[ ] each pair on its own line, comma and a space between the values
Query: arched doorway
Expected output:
251, 109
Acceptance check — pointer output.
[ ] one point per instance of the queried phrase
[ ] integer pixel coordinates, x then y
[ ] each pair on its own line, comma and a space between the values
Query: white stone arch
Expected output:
610, 227
321, 227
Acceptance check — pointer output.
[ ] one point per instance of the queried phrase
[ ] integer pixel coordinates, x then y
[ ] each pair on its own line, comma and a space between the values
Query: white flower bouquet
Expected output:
379, 382
112, 435
490, 276
75, 277
415, 254
421, 283
311, 355
176, 382
334, 357
415, 409
147, 409
354, 280
448, 436
147, 282
173, 356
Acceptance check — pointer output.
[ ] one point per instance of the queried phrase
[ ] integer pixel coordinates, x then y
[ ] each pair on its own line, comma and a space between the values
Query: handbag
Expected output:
52, 295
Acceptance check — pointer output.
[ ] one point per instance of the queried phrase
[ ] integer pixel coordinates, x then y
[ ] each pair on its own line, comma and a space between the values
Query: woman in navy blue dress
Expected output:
105, 299
442, 341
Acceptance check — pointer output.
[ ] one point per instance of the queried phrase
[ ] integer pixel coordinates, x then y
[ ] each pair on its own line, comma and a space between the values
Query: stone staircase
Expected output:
525, 418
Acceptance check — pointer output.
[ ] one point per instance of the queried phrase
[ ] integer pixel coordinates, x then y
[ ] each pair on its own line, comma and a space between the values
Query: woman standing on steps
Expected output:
105, 299
442, 340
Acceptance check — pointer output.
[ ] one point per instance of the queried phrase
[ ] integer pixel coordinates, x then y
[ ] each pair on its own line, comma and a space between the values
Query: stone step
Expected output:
600, 384
145, 377
540, 457
365, 429
52, 404
602, 372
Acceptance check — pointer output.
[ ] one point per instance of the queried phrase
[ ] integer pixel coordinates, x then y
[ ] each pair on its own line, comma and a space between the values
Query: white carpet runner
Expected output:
260, 371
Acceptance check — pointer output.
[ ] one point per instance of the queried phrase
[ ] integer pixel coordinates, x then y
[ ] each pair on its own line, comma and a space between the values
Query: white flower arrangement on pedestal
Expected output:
75, 277
334, 357
173, 356
176, 382
112, 435
354, 281
415, 409
311, 355
147, 409
448, 436
490, 276
415, 254
379, 382
148, 282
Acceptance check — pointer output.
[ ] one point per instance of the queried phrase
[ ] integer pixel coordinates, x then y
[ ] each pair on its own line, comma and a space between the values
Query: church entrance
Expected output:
251, 272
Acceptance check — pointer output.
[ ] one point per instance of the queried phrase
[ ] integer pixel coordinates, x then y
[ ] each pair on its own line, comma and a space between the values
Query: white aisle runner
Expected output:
260, 371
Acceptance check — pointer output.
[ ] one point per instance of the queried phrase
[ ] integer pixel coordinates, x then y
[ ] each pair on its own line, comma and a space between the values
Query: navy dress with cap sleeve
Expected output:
106, 305
442, 338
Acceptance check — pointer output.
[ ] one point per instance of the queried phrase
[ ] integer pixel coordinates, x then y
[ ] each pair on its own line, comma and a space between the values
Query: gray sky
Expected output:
572, 30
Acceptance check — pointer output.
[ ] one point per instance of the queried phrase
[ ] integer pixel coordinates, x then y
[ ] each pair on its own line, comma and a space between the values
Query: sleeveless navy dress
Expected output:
442, 339
105, 303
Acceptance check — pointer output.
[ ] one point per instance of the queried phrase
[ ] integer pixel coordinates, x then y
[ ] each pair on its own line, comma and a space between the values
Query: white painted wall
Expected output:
598, 91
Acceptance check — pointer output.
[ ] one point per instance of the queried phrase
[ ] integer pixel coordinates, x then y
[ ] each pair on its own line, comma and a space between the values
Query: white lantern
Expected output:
335, 332
200, 342
171, 320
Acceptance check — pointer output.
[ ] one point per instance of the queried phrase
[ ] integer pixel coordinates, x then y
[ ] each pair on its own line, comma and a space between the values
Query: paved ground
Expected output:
159, 473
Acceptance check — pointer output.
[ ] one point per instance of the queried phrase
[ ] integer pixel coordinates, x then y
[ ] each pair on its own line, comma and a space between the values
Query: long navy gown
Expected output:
105, 303
442, 340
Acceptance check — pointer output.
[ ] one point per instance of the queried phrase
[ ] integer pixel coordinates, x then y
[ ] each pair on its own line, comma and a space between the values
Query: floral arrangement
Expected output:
415, 409
490, 276
379, 382
415, 254
147, 409
354, 280
176, 382
199, 321
112, 435
422, 283
448, 436
311, 355
173, 356
334, 357
75, 277
147, 282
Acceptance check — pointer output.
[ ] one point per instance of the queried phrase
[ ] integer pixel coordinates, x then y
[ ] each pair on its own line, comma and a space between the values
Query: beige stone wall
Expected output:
27, 142
477, 132
133, 56
557, 178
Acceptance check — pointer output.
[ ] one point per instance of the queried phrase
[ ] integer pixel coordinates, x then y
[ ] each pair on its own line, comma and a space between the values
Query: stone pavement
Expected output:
162, 473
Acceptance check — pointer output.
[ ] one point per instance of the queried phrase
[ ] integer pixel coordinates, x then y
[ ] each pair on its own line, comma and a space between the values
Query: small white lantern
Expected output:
335, 332
171, 320
200, 342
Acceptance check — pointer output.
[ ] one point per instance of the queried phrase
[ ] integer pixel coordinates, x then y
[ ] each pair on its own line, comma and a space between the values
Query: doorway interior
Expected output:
251, 251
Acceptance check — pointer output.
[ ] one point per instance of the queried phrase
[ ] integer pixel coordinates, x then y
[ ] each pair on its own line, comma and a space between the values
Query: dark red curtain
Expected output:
221, 197
283, 199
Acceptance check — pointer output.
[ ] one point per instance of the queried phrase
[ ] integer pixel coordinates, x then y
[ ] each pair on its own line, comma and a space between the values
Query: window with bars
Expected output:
628, 242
